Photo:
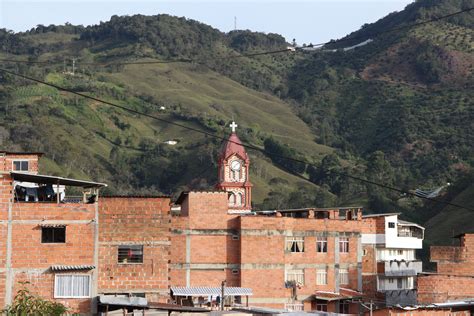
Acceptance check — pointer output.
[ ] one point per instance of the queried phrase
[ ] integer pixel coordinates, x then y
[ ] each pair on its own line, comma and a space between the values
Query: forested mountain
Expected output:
397, 111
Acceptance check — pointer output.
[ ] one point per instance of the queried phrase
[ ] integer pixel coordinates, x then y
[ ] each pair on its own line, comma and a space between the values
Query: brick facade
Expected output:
134, 221
93, 233
454, 279
210, 245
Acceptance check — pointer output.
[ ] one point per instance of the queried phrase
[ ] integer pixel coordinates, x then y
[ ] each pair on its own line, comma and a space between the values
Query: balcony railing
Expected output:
402, 268
415, 233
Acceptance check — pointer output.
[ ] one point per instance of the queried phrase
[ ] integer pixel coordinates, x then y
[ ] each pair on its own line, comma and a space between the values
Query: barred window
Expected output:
295, 275
344, 244
72, 285
294, 244
321, 277
322, 244
343, 276
130, 254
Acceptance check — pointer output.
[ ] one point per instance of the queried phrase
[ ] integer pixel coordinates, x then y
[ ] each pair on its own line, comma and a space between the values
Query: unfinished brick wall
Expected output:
31, 259
455, 273
455, 260
264, 259
441, 288
135, 221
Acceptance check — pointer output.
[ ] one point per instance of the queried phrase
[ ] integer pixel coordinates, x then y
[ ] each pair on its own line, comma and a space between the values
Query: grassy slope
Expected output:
89, 130
210, 93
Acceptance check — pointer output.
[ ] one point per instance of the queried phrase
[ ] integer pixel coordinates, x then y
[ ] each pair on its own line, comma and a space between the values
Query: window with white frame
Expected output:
239, 199
295, 275
322, 244
343, 244
20, 165
294, 244
321, 277
343, 276
72, 285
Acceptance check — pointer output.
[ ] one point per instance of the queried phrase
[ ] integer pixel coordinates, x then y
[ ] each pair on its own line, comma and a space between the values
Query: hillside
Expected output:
90, 140
397, 110
408, 94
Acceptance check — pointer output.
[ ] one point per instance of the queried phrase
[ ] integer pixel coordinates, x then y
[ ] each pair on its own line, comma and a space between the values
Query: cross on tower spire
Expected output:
233, 126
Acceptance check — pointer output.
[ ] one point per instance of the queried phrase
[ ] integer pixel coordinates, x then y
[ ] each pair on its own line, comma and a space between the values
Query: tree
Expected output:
27, 304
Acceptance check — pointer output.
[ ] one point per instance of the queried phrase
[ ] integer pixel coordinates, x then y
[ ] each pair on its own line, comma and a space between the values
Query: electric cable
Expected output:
249, 146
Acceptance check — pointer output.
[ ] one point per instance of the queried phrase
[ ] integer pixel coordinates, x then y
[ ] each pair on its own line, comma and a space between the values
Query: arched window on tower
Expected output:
232, 199
239, 199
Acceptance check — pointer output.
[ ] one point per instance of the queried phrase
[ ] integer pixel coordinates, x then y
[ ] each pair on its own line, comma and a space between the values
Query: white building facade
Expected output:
393, 243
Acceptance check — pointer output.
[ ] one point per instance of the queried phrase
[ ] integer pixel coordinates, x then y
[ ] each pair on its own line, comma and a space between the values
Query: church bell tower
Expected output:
233, 174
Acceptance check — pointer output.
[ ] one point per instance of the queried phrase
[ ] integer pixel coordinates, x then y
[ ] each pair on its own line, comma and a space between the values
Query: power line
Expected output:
189, 60
397, 28
253, 147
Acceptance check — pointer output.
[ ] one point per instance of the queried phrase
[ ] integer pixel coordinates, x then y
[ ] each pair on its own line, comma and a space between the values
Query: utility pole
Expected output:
222, 294
369, 307
235, 23
73, 66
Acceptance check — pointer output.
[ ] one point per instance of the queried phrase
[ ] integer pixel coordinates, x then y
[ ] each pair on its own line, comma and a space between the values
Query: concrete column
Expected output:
188, 260
336, 264
9, 271
359, 264
95, 272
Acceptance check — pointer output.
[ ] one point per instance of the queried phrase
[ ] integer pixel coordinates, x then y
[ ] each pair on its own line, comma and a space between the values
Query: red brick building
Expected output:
48, 239
454, 278
134, 245
296, 259
74, 249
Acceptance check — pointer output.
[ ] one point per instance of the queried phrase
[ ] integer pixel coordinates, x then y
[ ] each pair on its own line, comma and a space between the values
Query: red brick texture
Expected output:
135, 221
455, 278
254, 247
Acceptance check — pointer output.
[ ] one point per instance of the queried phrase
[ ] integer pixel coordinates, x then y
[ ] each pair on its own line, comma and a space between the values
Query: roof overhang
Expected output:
43, 179
72, 267
210, 291
405, 223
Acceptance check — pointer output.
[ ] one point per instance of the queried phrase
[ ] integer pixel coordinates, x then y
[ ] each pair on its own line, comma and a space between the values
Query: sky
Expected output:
306, 21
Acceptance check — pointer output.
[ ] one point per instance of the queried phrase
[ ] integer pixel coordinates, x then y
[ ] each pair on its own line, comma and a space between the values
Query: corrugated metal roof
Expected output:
406, 223
71, 268
53, 225
123, 301
208, 291
44, 179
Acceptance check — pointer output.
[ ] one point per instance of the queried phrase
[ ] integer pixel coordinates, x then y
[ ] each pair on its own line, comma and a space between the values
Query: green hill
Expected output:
397, 110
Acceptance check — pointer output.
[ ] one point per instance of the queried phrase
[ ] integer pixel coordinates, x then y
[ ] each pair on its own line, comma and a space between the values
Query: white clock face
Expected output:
235, 165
